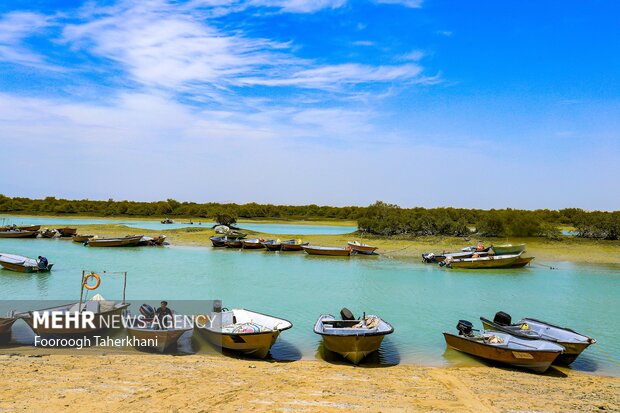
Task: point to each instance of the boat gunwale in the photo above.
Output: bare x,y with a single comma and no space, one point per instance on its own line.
251,332
370,334
505,348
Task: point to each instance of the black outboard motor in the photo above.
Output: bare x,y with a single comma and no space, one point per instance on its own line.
147,311
502,318
217,306
346,314
465,328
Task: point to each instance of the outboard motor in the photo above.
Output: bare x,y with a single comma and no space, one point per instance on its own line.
147,311
217,306
346,314
465,328
502,318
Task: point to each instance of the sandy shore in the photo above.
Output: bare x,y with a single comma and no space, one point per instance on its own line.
215,383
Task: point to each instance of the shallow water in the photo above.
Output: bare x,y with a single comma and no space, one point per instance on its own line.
293,229
420,301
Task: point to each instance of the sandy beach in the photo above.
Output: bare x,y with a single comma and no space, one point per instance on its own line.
161,383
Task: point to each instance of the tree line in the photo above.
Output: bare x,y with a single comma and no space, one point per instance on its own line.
379,218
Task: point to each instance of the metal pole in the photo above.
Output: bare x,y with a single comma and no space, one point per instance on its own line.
81,292
124,286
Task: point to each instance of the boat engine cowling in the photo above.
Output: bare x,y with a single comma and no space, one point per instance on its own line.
147,311
502,318
346,314
465,327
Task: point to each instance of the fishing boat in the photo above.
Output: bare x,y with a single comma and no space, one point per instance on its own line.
218,241
28,227
353,339
127,241
272,245
536,355
20,263
252,244
508,249
81,238
67,231
150,332
235,234
328,251
18,233
48,233
362,248
243,331
105,313
159,239
233,243
488,262
574,343
522,262
465,253
293,245
6,323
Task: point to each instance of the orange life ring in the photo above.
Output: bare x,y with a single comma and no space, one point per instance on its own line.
88,277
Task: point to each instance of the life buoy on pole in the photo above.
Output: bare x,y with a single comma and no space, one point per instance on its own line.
88,277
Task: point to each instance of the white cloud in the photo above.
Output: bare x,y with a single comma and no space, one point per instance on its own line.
407,3
15,28
299,6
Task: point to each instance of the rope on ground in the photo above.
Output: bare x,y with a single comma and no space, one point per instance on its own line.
607,355
400,249
540,264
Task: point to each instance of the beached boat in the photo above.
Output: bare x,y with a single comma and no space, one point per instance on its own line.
67,231
20,263
233,243
252,244
159,239
218,241
29,227
466,253
328,251
272,245
153,333
351,338
522,262
18,233
488,262
293,245
574,343
48,233
508,249
536,355
81,238
6,323
127,241
244,331
362,248
235,234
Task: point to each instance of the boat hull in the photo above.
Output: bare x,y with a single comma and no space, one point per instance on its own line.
353,348
81,238
67,231
252,245
24,268
164,338
253,344
18,234
363,249
6,324
538,361
293,247
491,263
335,252
234,244
273,247
508,249
218,242
522,262
101,321
121,242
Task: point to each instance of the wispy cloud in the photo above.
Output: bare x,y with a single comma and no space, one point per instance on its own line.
15,29
407,3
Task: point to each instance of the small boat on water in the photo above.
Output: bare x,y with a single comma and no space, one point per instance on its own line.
18,233
81,238
536,355
244,331
328,251
20,263
465,253
48,233
574,343
218,241
167,221
351,338
293,245
163,334
127,241
252,244
508,249
67,231
233,243
272,245
362,248
488,262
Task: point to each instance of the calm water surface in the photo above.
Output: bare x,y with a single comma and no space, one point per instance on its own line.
293,229
419,300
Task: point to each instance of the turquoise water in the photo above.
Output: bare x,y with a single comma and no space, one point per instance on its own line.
292,229
419,300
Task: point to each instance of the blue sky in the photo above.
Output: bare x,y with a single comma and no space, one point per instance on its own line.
480,104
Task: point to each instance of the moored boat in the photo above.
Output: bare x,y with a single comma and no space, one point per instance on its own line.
18,233
20,263
351,338
29,227
159,240
48,233
218,241
535,355
362,248
235,234
6,323
81,238
243,331
522,262
293,245
67,231
252,244
167,221
574,343
272,245
488,262
465,253
127,241
150,332
327,251
508,249
233,243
